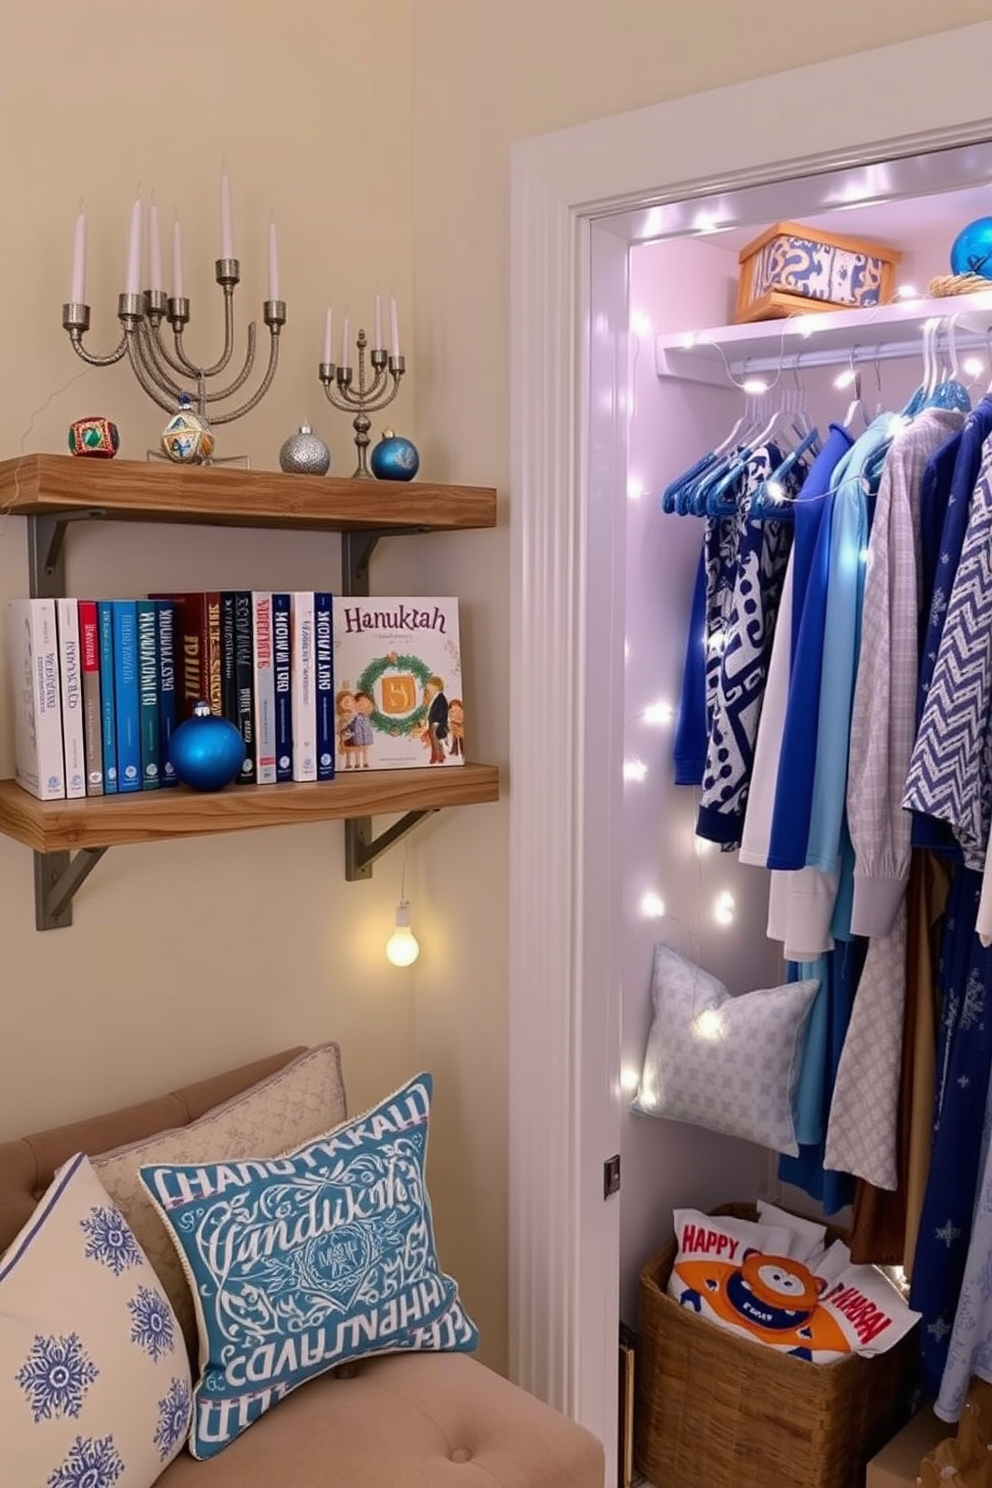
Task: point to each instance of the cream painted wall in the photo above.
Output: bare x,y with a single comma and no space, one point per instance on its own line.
187,957
486,75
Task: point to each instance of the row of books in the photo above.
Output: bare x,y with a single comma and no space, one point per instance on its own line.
99,686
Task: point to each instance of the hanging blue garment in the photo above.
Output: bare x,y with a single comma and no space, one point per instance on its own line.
839,972
963,1057
948,485
811,505
689,751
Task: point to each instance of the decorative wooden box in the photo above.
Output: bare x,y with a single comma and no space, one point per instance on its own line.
794,269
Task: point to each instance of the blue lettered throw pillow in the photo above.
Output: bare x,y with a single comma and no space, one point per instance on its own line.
300,1262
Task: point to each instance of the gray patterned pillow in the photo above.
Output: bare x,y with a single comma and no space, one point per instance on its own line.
727,1063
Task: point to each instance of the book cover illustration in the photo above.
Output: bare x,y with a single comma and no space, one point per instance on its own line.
399,699
33,649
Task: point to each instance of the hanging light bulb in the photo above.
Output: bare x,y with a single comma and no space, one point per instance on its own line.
402,947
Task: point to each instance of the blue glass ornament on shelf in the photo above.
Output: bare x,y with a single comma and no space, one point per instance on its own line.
394,458
207,752
971,251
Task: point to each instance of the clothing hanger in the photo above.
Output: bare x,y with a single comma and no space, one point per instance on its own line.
774,496
677,497
949,391
856,406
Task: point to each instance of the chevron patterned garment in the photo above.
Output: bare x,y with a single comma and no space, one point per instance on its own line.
949,770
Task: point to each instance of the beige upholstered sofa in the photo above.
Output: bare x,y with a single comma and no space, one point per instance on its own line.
395,1421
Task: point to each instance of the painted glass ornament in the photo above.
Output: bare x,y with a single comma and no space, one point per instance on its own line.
207,752
394,458
187,438
96,437
305,453
971,251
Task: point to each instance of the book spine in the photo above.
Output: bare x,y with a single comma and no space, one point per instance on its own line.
70,672
264,681
108,726
303,687
282,655
168,720
215,688
244,671
148,705
191,644
89,645
127,705
324,685
228,676
32,642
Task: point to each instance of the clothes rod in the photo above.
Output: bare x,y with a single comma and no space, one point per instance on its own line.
707,363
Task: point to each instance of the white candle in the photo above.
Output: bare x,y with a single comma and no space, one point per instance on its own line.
154,249
226,233
377,333
273,264
77,294
394,327
328,334
132,282
178,288
346,343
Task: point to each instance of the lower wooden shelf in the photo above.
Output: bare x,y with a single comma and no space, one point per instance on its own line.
154,816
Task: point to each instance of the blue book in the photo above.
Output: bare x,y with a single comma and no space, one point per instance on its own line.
168,710
148,729
127,700
105,621
282,654
324,653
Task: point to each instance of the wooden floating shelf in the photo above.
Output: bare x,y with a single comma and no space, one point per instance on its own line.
155,816
42,485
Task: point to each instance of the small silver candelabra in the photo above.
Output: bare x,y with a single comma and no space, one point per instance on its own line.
345,393
157,368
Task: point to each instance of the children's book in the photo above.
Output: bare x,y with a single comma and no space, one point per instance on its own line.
399,701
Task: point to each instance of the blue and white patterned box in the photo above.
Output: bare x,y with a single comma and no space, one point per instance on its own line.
795,267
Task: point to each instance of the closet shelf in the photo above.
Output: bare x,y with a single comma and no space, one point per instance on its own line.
820,338
154,816
134,491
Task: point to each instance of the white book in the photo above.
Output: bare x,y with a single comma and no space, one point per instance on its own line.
303,686
33,651
265,688
71,673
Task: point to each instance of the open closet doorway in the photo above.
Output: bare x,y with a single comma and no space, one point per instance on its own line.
581,199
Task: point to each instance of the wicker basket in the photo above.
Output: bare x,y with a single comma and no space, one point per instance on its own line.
715,1410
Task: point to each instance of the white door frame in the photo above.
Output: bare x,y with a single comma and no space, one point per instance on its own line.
569,383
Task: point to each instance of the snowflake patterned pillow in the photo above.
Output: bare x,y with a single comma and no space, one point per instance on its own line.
301,1262
730,1064
95,1388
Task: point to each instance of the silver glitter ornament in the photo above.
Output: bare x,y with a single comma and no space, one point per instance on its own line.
305,453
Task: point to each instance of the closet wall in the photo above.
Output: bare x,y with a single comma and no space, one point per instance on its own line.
673,881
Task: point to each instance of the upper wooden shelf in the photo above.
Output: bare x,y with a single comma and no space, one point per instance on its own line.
134,490
154,816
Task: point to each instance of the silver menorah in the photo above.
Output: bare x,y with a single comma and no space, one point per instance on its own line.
348,394
158,369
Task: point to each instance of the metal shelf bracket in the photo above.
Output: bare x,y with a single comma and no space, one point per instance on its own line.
356,554
46,556
57,878
360,847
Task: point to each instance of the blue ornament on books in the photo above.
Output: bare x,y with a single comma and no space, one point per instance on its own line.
971,251
394,458
207,752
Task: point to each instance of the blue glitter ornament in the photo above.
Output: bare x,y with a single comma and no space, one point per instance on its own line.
394,458
971,251
207,752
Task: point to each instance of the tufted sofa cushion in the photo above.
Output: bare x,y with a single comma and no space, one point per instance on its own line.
410,1421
